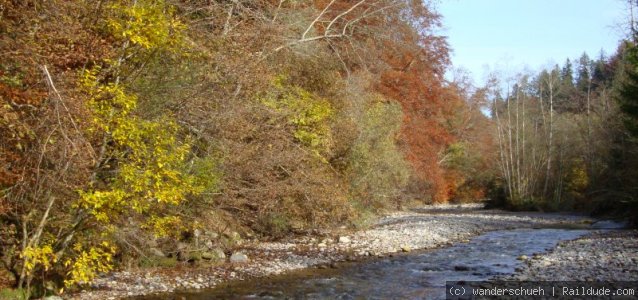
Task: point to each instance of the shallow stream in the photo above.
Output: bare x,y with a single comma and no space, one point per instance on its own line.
417,275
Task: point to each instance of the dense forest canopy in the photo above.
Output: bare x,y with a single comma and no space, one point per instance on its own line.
132,125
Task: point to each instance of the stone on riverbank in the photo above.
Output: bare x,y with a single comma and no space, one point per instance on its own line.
344,240
415,229
215,254
602,256
239,258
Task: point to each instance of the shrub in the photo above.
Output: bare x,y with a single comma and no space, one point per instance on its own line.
378,171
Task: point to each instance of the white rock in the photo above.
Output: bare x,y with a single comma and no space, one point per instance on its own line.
239,257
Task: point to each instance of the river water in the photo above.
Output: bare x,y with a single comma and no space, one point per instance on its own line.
417,275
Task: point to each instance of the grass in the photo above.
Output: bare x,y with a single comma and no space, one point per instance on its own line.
13,294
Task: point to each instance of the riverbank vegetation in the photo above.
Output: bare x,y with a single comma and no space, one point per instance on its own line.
131,128
566,137
136,125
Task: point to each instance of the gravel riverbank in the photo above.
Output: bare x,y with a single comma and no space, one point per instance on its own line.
600,256
426,228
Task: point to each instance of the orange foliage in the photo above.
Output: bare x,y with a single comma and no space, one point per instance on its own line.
436,112
415,83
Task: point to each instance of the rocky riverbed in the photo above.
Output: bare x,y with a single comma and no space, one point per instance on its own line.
426,228
600,256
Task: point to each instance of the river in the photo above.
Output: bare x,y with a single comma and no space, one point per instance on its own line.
416,275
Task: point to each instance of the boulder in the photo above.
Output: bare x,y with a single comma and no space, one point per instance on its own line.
239,257
344,240
215,254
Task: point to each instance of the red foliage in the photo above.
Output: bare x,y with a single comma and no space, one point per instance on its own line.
414,81
435,111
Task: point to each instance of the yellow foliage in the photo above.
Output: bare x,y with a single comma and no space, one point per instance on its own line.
150,24
307,112
577,179
144,168
34,256
86,265
165,226
150,158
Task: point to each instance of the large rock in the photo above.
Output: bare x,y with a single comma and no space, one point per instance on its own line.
344,240
239,257
215,254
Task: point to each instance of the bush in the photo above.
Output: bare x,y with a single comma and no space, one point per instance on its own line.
378,172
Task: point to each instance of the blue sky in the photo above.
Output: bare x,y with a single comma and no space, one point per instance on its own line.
512,35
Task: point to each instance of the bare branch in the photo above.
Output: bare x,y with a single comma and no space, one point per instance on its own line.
303,36
276,14
343,14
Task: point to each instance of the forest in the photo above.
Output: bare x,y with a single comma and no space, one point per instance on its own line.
137,124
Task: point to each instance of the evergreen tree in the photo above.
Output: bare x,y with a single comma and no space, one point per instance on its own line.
628,97
567,74
584,73
564,97
601,74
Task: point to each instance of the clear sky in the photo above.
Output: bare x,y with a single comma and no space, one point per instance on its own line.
511,35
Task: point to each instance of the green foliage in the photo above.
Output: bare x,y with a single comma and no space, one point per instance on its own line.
13,294
156,261
378,169
456,156
276,224
628,94
366,215
207,175
308,113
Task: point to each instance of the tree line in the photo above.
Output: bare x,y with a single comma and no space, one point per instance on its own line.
565,137
133,125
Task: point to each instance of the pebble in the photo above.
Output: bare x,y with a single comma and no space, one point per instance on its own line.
601,256
399,231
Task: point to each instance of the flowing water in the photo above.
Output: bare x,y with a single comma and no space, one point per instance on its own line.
411,276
